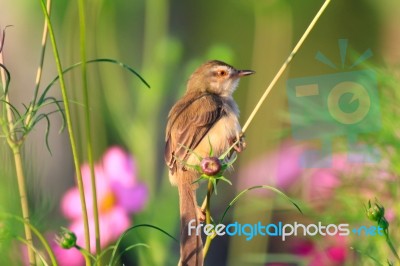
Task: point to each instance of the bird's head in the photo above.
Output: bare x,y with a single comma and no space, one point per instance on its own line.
216,77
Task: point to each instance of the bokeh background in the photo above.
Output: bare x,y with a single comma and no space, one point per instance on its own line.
165,41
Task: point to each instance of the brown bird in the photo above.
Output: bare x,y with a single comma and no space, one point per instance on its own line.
206,116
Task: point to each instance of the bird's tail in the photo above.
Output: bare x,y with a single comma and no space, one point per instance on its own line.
191,244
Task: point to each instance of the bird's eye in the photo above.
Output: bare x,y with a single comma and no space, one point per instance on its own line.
222,73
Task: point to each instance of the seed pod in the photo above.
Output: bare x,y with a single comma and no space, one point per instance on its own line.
211,166
375,213
66,239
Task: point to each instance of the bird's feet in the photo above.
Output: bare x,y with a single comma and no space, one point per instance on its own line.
201,214
240,145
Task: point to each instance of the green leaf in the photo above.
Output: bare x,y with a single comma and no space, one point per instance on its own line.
193,166
113,256
52,100
103,252
211,148
99,60
257,187
191,151
45,116
231,161
367,255
224,179
14,110
202,177
129,248
228,150
8,80
214,181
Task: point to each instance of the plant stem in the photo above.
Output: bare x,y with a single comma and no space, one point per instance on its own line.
70,131
12,140
86,254
82,26
41,61
206,199
24,201
285,64
208,218
39,69
391,246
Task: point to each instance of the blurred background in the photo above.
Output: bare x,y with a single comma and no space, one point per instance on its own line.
165,41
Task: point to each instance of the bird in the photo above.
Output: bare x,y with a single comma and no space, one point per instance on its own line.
205,118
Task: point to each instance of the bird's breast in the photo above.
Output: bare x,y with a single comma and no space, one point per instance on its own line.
219,138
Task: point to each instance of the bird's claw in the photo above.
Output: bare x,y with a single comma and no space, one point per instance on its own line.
201,214
241,144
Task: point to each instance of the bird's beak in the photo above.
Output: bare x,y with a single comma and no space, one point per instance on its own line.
242,73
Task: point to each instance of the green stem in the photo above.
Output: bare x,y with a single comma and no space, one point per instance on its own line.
40,67
82,26
43,52
14,144
206,199
24,201
391,246
85,253
70,131
208,218
104,252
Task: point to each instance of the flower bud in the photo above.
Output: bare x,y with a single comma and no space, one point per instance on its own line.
210,166
66,239
375,213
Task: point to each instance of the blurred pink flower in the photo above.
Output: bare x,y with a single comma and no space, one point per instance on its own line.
119,194
333,251
67,257
282,169
279,168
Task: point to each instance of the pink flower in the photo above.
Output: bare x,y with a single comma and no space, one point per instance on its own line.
282,169
119,195
279,168
67,257
331,251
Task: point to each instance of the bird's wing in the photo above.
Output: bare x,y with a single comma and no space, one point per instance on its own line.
188,123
